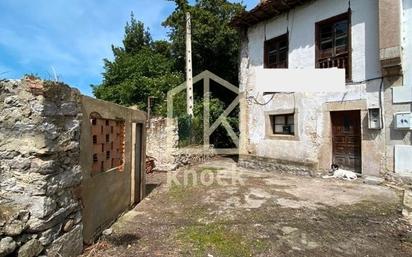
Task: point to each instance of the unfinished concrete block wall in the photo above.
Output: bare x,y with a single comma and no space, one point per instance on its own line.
40,212
112,150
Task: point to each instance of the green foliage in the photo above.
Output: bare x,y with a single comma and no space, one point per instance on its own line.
136,37
191,129
215,43
141,68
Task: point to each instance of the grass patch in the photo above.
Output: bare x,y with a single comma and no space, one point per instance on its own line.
365,210
180,192
215,239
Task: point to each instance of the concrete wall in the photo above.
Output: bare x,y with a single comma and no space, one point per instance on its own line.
311,146
40,210
107,194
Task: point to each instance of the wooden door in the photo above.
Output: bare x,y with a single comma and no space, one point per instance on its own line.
346,140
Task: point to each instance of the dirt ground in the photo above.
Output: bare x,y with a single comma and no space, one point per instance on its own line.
250,213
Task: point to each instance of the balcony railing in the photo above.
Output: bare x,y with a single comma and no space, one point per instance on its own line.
341,62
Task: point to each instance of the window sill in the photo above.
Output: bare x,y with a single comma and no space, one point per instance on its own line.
282,137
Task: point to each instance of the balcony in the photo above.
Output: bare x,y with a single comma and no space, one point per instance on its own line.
340,61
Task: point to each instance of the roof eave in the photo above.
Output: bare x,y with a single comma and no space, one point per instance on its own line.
264,11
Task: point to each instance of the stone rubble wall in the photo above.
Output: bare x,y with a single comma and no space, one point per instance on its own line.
278,166
163,144
39,169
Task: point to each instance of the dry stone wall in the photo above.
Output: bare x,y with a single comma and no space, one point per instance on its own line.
163,144
39,169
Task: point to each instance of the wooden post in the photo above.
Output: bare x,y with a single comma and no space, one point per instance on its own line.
189,74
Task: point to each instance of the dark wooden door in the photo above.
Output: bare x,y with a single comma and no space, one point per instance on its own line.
346,139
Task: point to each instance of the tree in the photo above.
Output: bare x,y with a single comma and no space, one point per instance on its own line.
141,68
136,37
215,43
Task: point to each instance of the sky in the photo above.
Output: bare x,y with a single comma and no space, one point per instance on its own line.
71,38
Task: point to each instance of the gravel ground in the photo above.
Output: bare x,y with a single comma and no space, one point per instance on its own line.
240,212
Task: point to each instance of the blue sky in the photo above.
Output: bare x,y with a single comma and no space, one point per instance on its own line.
71,36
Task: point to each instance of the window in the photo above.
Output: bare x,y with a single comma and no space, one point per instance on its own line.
333,43
283,124
276,52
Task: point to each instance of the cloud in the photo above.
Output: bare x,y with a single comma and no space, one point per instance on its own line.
71,36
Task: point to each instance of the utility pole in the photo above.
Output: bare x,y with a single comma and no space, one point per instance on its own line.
149,110
189,74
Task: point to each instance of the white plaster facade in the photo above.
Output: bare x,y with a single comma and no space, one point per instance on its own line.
407,42
312,141
403,153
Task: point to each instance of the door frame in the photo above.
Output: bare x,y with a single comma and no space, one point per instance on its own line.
325,151
360,168
136,198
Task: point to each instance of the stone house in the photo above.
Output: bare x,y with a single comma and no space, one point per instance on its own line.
365,128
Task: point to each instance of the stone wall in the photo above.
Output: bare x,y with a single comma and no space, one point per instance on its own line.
278,165
39,169
162,144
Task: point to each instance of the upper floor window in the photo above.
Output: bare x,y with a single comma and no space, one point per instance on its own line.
276,52
333,43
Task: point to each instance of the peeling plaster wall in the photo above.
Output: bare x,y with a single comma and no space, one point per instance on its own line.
301,24
312,143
